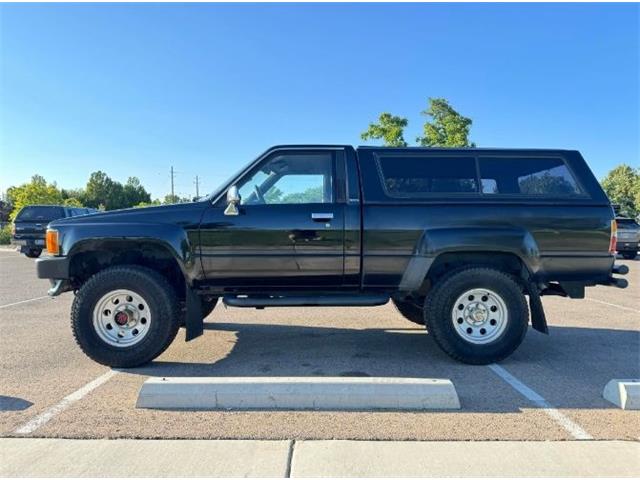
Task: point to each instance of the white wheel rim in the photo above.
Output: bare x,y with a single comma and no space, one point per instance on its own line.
121,318
480,316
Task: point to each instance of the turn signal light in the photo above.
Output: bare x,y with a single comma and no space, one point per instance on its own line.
614,237
53,247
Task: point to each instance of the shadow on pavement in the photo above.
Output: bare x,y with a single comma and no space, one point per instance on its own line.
13,404
569,367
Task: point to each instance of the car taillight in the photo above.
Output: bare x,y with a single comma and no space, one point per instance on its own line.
614,237
53,247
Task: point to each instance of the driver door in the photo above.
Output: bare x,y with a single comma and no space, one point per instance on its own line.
289,231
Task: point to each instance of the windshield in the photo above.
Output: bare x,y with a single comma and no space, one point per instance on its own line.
627,224
40,214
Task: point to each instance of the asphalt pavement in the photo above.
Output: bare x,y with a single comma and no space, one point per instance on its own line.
48,388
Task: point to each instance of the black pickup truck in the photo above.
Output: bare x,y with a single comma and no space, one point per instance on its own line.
456,238
30,225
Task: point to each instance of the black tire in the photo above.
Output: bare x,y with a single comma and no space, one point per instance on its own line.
439,306
33,253
629,255
410,311
162,302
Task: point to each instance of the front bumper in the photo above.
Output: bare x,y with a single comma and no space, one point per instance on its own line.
56,269
53,268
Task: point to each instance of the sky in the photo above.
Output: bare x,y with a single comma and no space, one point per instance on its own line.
133,89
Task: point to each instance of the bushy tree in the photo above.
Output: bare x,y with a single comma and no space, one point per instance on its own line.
446,127
171,199
622,186
36,192
134,193
389,128
102,190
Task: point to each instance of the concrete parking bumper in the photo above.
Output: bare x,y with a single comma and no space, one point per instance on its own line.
298,393
623,393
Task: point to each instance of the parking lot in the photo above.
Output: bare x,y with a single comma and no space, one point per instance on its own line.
550,389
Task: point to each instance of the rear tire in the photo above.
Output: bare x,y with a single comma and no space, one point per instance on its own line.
33,253
629,255
136,295
477,315
410,311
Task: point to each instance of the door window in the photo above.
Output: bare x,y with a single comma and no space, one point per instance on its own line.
290,178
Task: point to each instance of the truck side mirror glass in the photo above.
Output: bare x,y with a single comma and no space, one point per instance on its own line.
233,199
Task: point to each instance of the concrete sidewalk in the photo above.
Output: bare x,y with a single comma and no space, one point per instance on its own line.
329,458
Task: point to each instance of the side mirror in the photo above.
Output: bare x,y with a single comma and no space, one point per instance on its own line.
233,199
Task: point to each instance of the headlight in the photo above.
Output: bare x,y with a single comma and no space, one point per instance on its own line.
53,247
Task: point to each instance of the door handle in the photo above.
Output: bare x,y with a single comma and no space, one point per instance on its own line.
321,217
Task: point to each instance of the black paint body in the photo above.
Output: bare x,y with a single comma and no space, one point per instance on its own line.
374,243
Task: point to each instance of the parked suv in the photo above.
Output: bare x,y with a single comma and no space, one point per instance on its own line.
30,225
464,241
628,237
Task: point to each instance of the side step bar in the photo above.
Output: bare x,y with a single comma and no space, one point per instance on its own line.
364,300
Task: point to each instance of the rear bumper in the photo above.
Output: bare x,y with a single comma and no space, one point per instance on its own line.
26,244
622,246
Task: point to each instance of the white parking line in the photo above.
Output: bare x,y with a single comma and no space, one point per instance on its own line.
565,422
48,414
613,305
23,301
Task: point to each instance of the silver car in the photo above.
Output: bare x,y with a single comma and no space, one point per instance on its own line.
628,237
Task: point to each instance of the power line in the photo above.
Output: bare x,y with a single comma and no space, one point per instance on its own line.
197,187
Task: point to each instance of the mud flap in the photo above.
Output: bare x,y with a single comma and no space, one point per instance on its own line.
194,321
538,318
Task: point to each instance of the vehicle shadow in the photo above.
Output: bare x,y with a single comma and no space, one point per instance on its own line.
569,367
13,404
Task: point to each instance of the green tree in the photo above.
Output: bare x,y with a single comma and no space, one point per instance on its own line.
102,190
446,127
171,199
73,194
152,203
36,192
389,128
72,202
622,186
134,193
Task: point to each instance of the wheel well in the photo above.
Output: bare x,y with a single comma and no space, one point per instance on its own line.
94,258
448,262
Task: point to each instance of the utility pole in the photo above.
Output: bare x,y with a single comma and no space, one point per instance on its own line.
172,193
197,187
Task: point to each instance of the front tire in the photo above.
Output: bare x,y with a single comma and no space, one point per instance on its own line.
477,315
410,311
33,253
629,255
125,316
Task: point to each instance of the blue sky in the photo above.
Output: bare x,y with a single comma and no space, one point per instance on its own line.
134,89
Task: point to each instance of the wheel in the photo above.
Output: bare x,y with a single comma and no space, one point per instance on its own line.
125,316
629,255
33,253
410,311
477,315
